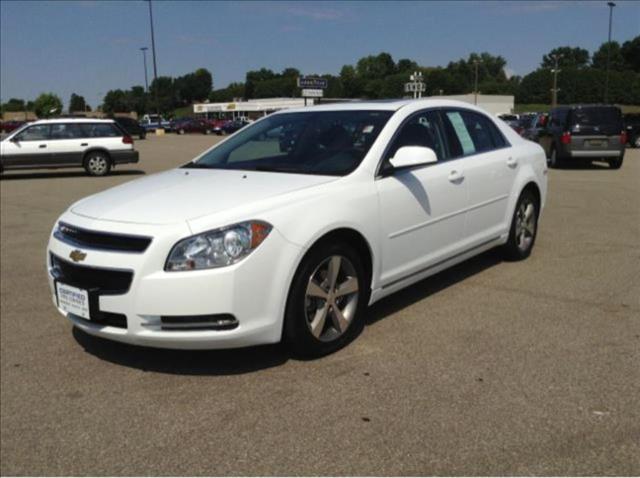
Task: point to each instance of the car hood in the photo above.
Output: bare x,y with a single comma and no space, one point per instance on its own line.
186,194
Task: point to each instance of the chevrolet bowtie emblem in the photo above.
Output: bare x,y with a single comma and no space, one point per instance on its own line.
77,255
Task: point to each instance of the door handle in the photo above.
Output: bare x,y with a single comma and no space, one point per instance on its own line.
42,146
512,162
84,144
455,176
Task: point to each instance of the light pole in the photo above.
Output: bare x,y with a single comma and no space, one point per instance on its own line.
475,83
606,81
144,59
555,71
155,67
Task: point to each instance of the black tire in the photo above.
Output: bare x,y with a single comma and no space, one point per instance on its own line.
516,248
554,160
97,163
143,135
616,163
297,333
635,141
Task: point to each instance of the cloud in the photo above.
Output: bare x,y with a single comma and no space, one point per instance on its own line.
316,13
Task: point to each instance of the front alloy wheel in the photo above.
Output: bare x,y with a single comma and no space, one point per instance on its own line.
97,164
332,298
326,302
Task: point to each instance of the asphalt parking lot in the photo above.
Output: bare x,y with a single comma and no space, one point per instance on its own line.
490,368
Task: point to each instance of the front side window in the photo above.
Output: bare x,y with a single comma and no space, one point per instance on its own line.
423,129
38,132
323,142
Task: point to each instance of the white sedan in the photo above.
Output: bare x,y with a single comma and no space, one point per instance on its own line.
290,228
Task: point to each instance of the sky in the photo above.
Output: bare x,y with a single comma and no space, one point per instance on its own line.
89,47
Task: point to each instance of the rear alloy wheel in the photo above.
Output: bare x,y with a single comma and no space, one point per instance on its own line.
181,131
97,164
636,141
326,302
207,131
524,227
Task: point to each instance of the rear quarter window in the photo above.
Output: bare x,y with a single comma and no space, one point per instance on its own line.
102,130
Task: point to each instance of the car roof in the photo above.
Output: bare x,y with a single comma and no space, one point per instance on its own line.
72,120
381,105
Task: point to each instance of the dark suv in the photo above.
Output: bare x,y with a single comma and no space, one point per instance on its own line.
131,126
632,126
584,132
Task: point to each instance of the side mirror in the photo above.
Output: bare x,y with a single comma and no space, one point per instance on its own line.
409,156
14,139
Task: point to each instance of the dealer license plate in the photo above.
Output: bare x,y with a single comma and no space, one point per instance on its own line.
73,300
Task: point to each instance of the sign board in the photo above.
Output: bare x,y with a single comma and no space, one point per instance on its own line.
312,83
308,93
414,86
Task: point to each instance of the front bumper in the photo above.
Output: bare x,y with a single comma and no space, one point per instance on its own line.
253,291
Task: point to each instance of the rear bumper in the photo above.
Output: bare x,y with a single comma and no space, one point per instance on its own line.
123,157
609,153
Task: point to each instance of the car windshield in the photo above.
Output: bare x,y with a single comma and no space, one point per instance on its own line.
324,142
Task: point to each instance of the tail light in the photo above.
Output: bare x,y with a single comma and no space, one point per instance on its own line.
565,138
623,138
127,139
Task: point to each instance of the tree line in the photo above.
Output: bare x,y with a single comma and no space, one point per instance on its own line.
581,80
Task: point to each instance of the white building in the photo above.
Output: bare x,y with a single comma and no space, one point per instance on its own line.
495,104
249,109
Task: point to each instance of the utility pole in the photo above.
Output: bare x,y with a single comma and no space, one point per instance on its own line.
606,81
555,71
155,67
475,83
144,59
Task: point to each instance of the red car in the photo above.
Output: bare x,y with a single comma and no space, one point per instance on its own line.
8,126
193,126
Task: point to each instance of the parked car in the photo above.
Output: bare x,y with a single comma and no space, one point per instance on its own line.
95,145
193,126
131,126
11,125
153,122
632,128
248,244
533,125
232,126
584,133
217,125
511,119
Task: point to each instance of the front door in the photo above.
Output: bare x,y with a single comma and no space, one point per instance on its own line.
28,148
421,209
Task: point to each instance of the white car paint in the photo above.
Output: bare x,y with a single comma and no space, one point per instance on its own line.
416,223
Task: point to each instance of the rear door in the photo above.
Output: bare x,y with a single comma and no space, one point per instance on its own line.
106,136
28,148
490,170
67,144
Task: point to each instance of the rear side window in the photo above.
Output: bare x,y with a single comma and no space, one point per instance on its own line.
469,133
102,130
67,131
596,116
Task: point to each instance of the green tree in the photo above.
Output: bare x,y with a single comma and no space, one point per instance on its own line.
47,104
77,103
234,90
14,104
631,53
375,67
617,61
352,85
572,57
164,90
115,101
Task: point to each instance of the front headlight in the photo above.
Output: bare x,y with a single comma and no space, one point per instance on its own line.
217,248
